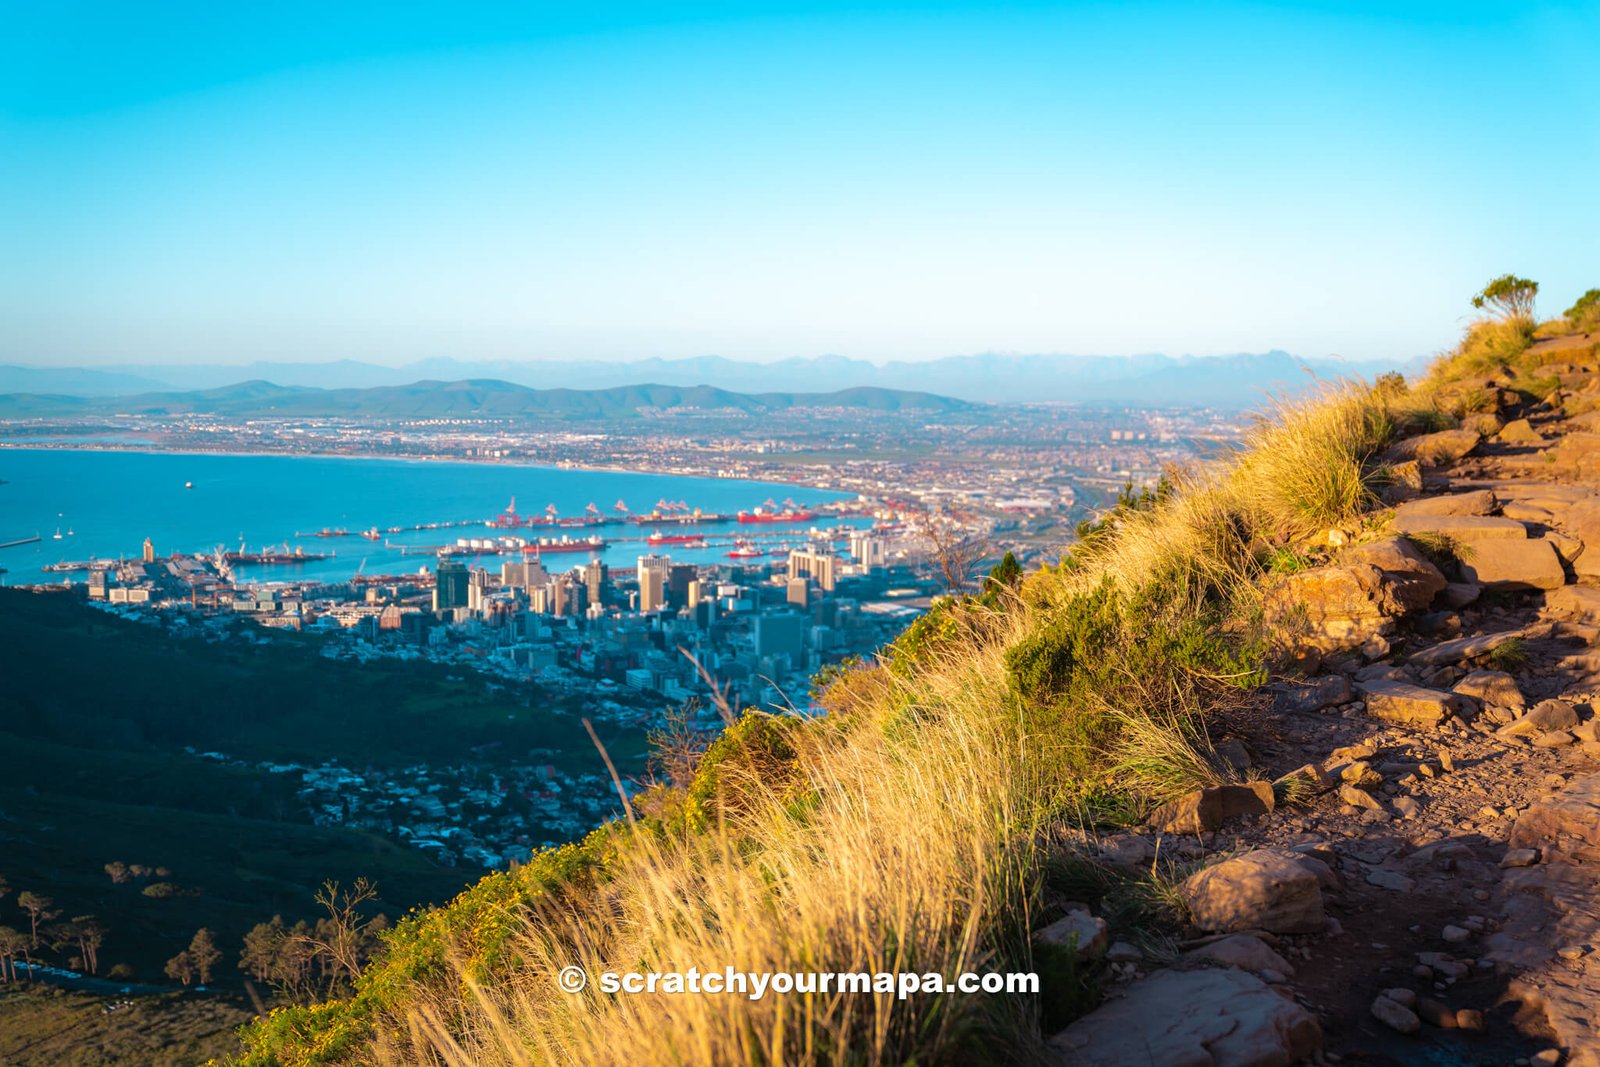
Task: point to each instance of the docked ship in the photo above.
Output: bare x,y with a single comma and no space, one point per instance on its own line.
770,512
674,513
659,538
745,550
566,544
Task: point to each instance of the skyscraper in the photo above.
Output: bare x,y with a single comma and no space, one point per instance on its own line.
450,585
654,572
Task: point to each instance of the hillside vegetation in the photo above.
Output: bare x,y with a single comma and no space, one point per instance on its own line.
922,824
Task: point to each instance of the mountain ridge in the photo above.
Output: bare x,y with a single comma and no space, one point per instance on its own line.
483,397
1236,379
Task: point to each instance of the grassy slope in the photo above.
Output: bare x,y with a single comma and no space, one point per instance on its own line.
903,832
44,1027
96,708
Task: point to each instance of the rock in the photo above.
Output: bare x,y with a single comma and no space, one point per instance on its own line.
1469,528
1434,449
1454,935
1564,827
1205,810
1574,601
1361,775
1392,880
1126,850
1203,1018
1460,594
1519,432
1465,647
1395,1016
1077,931
1520,857
1413,579
1553,739
1123,952
1476,502
1469,1019
1262,890
1307,781
1403,997
1491,687
1312,695
1435,1013
1329,609
1547,715
1243,951
1358,798
1402,702
1405,807
1362,750
1513,565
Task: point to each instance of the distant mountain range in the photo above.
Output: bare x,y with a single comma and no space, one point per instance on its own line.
475,397
1237,381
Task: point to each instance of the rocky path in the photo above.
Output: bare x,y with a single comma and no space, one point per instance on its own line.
1422,884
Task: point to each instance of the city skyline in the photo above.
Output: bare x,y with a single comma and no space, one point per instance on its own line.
881,182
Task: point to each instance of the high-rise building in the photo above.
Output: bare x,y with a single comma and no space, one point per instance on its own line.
149,550
595,576
478,588
450,585
869,550
799,591
780,633
819,565
654,573
679,579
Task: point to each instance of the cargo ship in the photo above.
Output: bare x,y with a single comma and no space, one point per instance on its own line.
675,539
587,544
745,550
770,512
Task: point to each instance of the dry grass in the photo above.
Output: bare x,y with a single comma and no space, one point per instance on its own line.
903,857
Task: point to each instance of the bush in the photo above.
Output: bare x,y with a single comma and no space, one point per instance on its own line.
1584,314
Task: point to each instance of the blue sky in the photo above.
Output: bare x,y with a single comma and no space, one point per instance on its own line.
225,183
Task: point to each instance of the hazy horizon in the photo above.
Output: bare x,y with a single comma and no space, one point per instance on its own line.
891,181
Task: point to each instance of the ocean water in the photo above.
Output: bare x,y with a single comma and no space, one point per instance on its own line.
104,504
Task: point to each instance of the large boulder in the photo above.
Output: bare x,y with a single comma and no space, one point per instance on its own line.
1261,890
1202,1018
1513,565
1313,694
1546,716
1345,605
1412,578
1078,931
1401,702
1244,951
1574,602
1205,810
1472,528
1497,689
1476,502
1434,449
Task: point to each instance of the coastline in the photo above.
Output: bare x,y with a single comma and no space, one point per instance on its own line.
469,460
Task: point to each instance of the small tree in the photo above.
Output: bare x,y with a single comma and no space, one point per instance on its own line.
263,946
1508,296
39,909
1584,314
953,548
204,954
13,943
181,967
